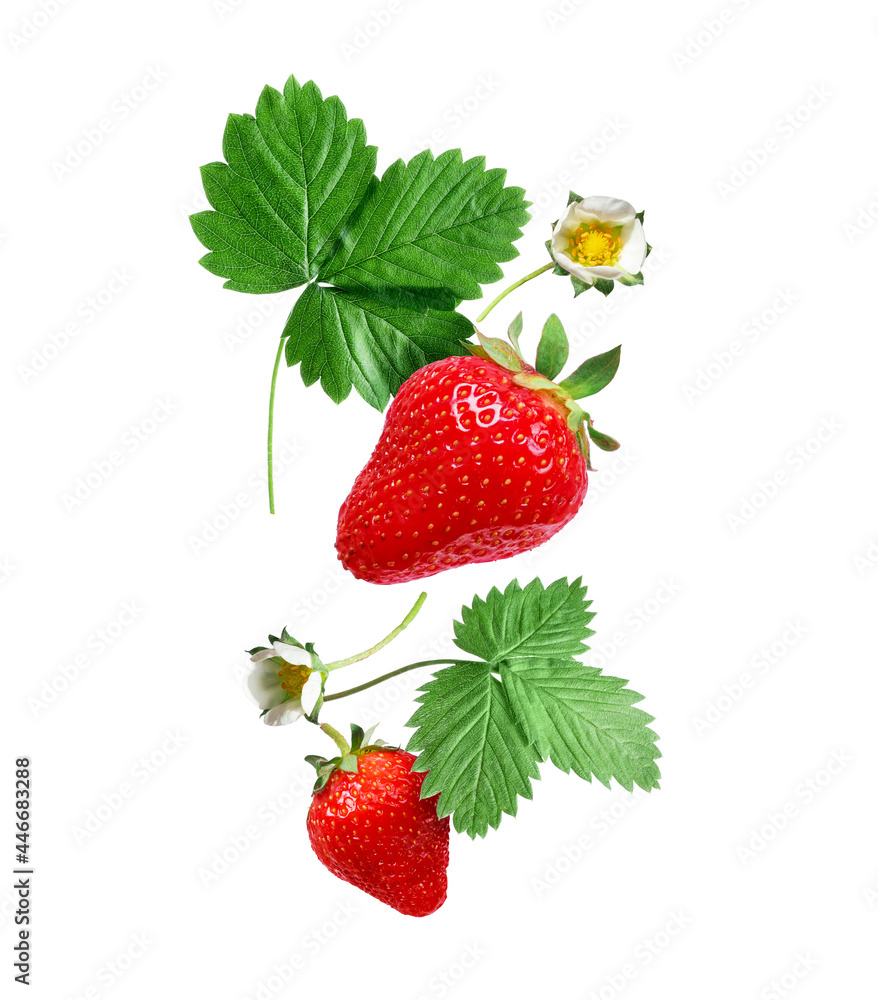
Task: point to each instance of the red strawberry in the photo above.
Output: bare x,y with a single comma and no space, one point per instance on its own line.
372,829
476,462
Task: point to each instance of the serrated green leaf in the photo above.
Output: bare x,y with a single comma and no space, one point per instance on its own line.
477,757
604,285
346,339
583,721
435,227
579,286
553,349
293,175
533,621
592,375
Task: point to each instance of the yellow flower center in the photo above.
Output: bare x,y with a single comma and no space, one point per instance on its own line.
594,245
292,678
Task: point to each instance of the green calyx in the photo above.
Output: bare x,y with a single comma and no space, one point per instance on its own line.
361,743
552,353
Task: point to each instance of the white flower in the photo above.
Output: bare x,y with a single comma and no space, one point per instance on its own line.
283,683
599,238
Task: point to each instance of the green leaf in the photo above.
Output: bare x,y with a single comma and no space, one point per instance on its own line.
583,721
478,759
515,332
553,349
533,621
574,197
346,339
436,228
293,176
592,375
579,286
557,269
604,285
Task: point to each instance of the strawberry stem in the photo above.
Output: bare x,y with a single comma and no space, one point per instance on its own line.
280,348
409,618
511,288
337,738
386,677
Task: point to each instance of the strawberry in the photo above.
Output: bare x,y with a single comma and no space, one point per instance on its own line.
370,827
481,458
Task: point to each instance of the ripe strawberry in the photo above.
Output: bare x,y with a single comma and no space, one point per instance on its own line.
372,828
481,458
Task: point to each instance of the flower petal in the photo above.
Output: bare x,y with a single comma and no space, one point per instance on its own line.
292,654
283,715
263,654
311,692
633,250
583,273
605,271
607,209
263,685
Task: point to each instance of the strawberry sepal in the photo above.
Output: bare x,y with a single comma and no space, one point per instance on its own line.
361,743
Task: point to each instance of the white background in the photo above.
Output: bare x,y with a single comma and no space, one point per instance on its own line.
707,541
